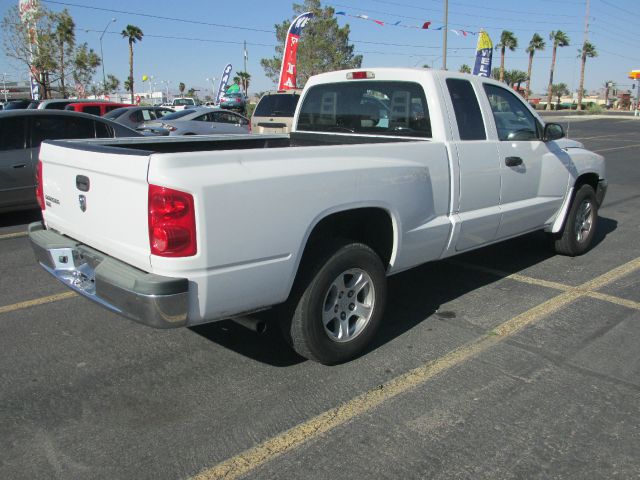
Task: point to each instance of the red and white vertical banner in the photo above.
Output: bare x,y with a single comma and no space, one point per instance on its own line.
28,9
288,70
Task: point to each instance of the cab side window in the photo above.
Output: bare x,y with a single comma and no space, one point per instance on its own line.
12,134
514,121
60,128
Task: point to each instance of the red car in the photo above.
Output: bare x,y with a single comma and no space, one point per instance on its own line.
95,108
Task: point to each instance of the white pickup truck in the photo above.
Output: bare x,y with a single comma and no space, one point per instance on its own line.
385,169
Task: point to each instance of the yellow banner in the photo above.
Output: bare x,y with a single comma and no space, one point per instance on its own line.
484,41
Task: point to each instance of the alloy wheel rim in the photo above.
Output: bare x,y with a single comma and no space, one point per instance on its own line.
348,305
584,221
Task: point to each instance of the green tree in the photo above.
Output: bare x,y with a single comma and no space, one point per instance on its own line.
464,68
128,86
112,84
558,90
323,46
85,63
536,43
507,40
588,50
133,34
514,78
181,87
17,37
559,39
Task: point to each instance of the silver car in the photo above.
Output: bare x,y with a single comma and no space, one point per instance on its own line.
201,121
134,117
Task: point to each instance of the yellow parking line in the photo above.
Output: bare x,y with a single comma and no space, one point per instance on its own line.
617,300
13,235
37,301
268,450
512,276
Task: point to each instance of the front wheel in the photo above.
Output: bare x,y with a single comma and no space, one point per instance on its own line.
339,304
580,225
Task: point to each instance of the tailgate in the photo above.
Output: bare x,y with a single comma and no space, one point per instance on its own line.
98,197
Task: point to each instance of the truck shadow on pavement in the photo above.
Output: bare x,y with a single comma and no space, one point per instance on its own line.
19,218
413,296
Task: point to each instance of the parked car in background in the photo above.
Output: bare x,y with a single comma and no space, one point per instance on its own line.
134,117
201,121
57,103
95,108
22,132
234,101
20,104
182,103
274,112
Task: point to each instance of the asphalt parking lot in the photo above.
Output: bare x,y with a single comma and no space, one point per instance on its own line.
507,362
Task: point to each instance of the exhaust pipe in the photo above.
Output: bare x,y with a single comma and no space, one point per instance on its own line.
253,324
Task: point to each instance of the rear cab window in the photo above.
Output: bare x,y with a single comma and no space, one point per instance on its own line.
388,108
278,105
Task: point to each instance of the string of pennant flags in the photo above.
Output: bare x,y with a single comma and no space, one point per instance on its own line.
425,26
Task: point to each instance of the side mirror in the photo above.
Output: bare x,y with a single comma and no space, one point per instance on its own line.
553,131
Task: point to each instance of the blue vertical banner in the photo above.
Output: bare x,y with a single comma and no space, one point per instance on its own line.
484,52
223,82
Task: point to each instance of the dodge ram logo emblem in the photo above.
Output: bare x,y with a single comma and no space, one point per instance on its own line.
83,202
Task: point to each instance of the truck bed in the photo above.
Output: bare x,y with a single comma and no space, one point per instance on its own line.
201,143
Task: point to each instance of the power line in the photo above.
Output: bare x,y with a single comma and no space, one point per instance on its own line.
620,8
159,17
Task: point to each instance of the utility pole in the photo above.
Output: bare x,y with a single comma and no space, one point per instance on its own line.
244,54
444,34
104,81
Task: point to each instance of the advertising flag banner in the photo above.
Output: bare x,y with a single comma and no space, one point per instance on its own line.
484,51
288,70
223,82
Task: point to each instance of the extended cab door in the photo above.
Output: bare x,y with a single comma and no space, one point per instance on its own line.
477,209
533,178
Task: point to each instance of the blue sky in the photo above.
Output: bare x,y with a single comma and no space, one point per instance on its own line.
206,47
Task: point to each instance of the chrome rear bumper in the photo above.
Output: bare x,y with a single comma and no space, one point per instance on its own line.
154,300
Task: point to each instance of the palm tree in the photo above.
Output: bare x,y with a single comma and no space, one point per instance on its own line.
244,78
507,40
65,39
181,87
464,68
559,39
133,34
127,85
558,90
515,78
587,50
536,43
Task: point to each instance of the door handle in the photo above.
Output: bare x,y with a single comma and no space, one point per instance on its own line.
513,161
19,165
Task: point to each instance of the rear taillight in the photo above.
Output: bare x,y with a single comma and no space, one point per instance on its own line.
172,223
39,187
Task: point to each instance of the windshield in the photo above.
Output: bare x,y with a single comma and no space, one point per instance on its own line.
184,101
283,105
181,113
371,107
115,113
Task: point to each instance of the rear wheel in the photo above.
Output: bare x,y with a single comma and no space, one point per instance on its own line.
580,225
337,304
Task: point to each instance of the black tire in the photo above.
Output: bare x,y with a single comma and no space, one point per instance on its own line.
316,296
580,225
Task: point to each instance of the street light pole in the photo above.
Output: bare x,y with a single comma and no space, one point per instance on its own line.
104,80
4,86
